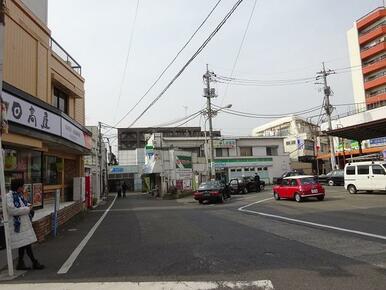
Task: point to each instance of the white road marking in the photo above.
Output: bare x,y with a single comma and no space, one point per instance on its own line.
67,265
242,209
180,285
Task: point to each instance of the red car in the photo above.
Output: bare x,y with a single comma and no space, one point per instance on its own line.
298,188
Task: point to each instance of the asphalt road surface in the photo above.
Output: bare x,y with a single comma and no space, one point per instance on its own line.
339,243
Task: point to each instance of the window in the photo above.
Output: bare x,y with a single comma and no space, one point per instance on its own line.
378,170
238,170
287,142
218,152
245,151
233,170
363,169
294,182
234,182
271,151
293,142
265,168
53,170
285,182
252,169
60,100
246,169
350,170
225,152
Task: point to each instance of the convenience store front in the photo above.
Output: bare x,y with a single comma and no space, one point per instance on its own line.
43,146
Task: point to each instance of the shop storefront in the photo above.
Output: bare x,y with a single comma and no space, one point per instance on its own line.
44,147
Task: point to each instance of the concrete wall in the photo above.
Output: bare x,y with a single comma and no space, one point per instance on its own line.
39,8
355,61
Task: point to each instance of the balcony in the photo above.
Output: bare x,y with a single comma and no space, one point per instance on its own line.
373,50
374,65
376,81
373,33
371,17
65,56
376,99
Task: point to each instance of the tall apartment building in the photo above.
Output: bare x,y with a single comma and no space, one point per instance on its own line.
43,89
367,48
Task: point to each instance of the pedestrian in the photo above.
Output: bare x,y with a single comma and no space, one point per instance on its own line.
20,214
124,189
119,190
257,182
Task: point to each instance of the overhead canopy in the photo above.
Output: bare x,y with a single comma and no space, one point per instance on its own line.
362,131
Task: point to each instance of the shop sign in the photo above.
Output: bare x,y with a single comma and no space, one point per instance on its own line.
184,174
184,161
224,143
378,142
37,193
240,162
348,145
72,133
30,115
33,116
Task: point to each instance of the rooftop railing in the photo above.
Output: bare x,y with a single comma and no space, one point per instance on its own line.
65,56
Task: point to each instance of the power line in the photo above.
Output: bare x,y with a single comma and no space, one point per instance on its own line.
169,65
128,55
239,50
305,111
190,60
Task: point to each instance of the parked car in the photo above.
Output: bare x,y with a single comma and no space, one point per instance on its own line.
298,188
365,175
335,177
277,180
213,191
244,185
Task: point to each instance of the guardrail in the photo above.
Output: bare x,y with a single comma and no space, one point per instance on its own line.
65,56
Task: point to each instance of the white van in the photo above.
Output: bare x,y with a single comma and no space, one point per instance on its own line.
365,175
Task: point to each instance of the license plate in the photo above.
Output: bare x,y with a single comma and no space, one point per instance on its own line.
206,194
314,191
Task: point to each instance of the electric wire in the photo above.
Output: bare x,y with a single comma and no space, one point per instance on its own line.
214,32
239,50
170,64
127,55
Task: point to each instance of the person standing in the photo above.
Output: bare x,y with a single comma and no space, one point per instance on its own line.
124,188
257,181
20,216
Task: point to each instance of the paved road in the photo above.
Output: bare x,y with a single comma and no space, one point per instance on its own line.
149,240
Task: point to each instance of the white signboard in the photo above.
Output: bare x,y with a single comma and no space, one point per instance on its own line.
72,133
30,115
184,174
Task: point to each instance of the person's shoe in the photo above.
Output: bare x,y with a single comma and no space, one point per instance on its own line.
37,266
22,266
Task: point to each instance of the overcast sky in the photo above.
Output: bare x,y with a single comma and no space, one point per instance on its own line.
286,40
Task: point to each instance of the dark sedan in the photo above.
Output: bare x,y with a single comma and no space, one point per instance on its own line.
335,177
213,191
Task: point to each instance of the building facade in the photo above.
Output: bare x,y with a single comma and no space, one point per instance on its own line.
367,49
96,164
182,161
300,140
43,90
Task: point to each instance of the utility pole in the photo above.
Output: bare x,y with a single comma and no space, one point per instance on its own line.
100,156
328,109
210,93
2,118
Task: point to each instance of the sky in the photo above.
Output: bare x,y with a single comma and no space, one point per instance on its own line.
285,40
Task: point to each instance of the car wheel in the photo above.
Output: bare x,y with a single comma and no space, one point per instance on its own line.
262,187
320,197
221,198
201,201
298,198
331,182
276,196
352,189
245,190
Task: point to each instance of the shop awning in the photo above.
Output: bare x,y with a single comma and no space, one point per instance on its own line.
364,131
353,152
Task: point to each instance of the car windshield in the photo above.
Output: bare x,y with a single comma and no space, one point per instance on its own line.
209,185
308,180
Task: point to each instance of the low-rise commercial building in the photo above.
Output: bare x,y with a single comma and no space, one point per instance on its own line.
43,90
182,161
